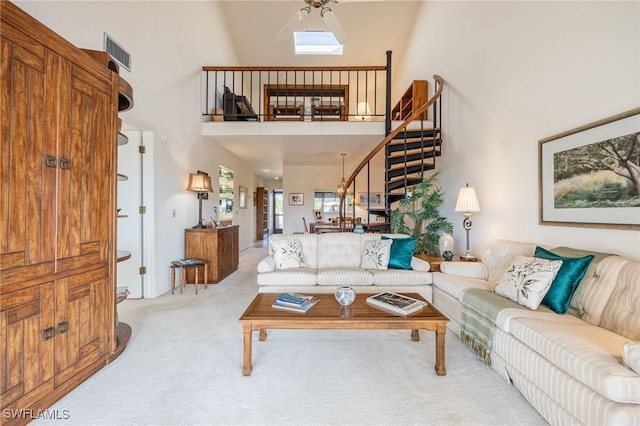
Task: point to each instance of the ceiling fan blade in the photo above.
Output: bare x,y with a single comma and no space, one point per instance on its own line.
293,23
335,26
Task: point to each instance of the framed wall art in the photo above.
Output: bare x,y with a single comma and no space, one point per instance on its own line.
590,176
372,199
243,197
296,199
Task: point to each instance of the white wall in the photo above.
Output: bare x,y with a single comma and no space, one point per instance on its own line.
518,72
169,43
306,179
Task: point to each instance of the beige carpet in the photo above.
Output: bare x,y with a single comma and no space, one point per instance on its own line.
183,366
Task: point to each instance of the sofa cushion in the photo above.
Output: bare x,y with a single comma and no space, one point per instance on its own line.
375,254
288,254
401,277
591,355
527,280
631,356
566,281
621,314
401,252
294,276
498,255
600,287
456,285
576,306
336,249
309,243
344,275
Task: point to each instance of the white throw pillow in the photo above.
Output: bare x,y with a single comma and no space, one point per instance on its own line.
527,280
288,254
375,254
631,356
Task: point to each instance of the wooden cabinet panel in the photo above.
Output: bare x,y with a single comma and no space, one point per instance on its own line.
57,213
218,246
27,361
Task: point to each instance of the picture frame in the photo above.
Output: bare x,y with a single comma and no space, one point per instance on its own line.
296,199
372,198
243,197
318,216
582,181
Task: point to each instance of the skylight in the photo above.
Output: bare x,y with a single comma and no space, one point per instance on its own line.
316,43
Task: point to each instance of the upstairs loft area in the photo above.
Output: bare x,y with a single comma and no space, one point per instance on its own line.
305,94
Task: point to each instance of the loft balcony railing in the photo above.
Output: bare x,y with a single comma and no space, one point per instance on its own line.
348,93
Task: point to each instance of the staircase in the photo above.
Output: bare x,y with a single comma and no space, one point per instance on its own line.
410,150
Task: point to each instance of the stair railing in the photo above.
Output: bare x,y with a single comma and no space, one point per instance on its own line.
417,113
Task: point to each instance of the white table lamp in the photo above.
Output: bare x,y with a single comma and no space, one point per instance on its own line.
467,203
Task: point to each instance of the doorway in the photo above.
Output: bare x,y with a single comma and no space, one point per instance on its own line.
278,211
135,225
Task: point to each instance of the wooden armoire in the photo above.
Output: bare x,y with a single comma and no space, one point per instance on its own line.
58,134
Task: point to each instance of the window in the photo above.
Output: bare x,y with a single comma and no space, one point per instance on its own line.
329,202
316,43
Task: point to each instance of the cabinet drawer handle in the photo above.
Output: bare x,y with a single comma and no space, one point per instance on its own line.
48,333
65,163
63,327
50,161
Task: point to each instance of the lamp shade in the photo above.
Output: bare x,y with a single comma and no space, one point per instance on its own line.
363,111
199,182
467,200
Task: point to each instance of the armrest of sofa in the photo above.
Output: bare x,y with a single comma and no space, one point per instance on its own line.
266,265
466,269
418,264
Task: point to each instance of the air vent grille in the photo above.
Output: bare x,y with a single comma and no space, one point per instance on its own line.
117,52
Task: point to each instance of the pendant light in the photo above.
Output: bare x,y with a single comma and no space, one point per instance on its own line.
341,186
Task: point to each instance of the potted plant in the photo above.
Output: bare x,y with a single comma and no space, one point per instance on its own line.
421,207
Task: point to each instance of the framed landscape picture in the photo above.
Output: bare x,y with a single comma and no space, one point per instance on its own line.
296,199
590,176
372,199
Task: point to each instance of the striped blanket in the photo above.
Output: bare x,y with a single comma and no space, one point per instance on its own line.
479,312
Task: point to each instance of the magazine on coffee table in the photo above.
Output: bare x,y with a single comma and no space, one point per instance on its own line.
397,303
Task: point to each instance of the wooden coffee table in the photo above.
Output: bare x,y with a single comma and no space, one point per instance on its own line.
328,314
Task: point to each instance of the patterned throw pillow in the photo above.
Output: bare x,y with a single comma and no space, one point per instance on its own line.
631,355
527,280
288,254
375,254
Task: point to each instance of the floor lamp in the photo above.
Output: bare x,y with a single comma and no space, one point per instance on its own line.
467,203
200,183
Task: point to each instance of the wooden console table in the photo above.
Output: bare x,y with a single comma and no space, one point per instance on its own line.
327,101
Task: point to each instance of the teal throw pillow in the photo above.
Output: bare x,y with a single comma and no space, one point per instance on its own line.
566,281
401,252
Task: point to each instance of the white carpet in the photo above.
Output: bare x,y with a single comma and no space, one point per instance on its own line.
183,365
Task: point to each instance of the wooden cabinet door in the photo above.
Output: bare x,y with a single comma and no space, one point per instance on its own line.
27,342
81,318
27,204
85,145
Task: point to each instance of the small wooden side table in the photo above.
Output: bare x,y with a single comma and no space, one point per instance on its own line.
182,267
434,261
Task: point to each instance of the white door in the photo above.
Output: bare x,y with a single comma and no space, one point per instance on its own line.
130,221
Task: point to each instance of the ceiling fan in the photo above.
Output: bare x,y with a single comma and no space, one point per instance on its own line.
325,12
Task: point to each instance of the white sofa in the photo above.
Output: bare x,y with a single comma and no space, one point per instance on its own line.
568,366
334,259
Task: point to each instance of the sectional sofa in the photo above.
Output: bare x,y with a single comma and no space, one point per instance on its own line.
329,260
581,366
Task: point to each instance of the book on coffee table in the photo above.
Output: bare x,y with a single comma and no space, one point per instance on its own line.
396,303
293,299
304,307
